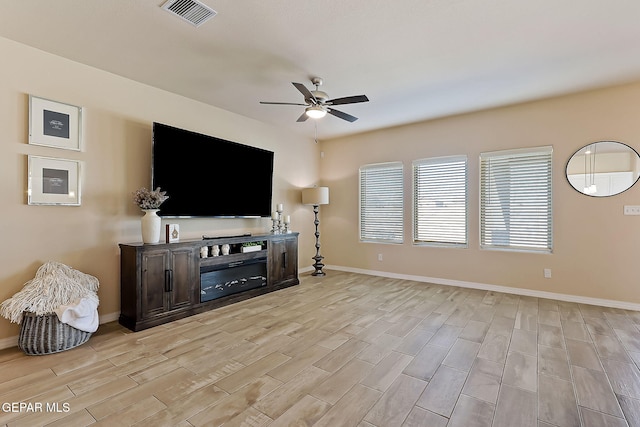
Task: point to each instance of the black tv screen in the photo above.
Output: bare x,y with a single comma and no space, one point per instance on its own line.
205,176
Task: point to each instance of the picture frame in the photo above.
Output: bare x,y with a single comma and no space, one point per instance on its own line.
54,124
53,181
172,233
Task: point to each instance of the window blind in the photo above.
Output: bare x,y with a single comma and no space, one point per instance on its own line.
440,201
515,199
381,202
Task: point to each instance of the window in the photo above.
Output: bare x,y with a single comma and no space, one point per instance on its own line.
440,201
515,199
381,202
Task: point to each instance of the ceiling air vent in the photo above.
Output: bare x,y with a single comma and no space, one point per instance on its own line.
191,11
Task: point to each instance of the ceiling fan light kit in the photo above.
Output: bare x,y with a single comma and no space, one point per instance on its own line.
318,104
316,112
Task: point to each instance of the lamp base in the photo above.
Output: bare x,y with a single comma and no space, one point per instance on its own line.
318,258
318,265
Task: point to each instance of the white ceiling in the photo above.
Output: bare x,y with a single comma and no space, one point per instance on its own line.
414,59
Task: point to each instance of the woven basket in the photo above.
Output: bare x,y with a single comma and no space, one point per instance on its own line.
46,334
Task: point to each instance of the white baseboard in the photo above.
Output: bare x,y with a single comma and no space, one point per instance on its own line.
495,288
106,318
13,341
8,342
111,317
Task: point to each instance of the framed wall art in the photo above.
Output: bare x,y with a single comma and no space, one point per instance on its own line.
53,181
54,124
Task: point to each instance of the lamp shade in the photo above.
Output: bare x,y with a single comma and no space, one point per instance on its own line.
315,196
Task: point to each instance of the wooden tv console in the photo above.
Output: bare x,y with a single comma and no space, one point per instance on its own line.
161,282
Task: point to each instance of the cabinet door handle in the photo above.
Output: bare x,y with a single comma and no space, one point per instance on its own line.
284,259
168,280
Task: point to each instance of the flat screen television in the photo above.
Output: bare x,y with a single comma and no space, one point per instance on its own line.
205,176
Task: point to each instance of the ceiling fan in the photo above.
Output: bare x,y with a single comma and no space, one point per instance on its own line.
317,103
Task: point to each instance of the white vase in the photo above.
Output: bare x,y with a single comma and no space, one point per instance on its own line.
151,224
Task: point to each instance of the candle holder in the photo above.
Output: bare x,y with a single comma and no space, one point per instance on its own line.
275,229
278,224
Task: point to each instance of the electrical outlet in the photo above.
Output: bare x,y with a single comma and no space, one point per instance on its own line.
632,210
379,257
547,273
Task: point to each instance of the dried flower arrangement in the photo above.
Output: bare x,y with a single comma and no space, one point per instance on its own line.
147,199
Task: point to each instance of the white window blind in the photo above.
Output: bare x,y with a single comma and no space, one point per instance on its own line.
381,202
515,199
440,201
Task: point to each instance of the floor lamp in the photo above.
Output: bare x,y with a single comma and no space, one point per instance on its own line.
316,196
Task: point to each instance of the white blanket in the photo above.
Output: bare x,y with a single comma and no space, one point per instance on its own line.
82,314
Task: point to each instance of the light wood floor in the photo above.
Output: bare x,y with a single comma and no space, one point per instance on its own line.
346,350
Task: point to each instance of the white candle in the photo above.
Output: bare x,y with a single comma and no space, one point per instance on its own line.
280,207
287,219
274,215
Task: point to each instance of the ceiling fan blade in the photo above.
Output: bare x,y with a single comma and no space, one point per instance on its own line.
341,115
303,117
348,100
281,103
303,90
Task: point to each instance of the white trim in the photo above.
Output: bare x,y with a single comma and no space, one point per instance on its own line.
518,151
495,288
13,341
111,317
306,269
8,342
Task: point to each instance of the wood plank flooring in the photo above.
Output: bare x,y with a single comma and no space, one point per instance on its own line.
345,350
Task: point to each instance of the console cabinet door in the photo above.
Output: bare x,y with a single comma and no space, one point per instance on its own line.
184,277
283,260
290,265
168,280
153,282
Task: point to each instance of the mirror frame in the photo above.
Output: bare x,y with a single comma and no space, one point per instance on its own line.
628,147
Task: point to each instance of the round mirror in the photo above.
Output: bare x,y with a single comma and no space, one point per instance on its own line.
603,168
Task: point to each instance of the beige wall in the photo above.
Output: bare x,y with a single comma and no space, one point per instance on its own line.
118,114
596,248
